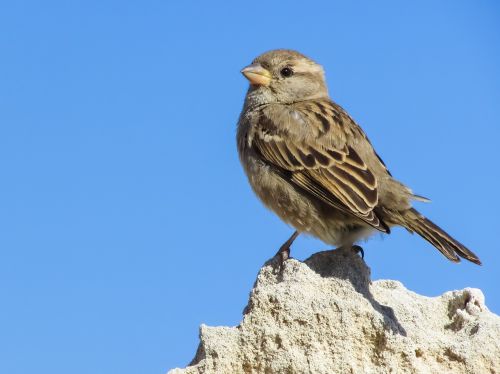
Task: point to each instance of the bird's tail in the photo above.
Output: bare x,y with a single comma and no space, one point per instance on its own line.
416,222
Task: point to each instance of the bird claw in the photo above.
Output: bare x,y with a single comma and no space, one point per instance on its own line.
358,250
282,255
284,252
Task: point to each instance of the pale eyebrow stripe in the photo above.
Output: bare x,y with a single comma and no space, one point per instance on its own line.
307,68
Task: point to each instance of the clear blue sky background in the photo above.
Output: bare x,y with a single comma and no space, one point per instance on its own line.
125,218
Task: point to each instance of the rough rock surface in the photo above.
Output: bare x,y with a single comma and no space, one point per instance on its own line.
324,315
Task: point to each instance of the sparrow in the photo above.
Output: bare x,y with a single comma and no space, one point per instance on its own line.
312,164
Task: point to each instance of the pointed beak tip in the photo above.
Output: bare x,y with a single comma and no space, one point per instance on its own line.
257,75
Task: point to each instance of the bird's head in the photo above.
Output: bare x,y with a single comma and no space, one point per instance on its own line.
284,76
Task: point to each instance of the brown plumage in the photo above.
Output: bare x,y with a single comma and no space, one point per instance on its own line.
309,161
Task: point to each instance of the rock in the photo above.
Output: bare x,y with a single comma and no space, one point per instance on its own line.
324,315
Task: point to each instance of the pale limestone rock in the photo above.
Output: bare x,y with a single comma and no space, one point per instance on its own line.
325,316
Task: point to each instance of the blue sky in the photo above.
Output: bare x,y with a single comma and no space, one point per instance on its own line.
125,218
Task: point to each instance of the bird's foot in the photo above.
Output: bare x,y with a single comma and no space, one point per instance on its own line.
283,253
356,248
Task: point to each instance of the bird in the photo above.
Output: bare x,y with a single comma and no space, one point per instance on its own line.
309,162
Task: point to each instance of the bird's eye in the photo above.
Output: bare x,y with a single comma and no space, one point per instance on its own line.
286,72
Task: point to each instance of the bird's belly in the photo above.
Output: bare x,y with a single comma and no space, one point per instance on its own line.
303,212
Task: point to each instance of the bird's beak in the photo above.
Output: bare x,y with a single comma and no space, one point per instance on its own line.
257,75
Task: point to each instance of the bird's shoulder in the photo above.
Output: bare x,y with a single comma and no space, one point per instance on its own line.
320,119
319,122
314,128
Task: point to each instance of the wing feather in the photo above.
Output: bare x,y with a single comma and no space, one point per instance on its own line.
335,175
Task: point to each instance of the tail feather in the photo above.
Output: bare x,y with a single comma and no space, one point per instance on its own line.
449,247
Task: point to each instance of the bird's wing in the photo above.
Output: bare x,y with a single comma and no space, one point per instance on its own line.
331,171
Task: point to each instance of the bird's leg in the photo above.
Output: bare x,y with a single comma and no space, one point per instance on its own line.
353,247
284,251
